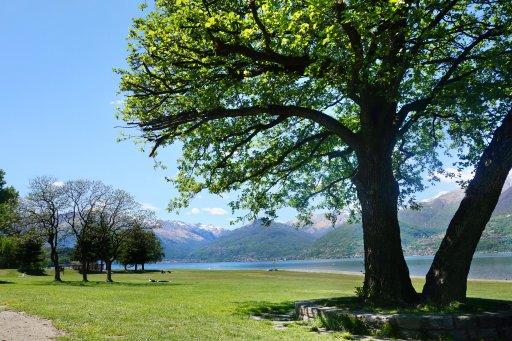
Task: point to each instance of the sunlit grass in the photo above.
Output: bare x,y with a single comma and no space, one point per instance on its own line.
198,305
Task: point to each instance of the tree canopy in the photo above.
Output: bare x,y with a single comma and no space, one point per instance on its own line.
320,104
100,217
141,246
276,93
43,211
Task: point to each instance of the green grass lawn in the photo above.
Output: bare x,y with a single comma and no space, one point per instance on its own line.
195,305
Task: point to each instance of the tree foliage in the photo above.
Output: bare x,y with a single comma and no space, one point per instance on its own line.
24,252
140,247
8,205
7,257
272,98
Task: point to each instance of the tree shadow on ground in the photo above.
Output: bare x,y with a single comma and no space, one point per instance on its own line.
33,272
139,271
105,284
352,302
259,308
6,282
470,305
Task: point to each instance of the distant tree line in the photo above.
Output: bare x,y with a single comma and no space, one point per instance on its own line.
107,225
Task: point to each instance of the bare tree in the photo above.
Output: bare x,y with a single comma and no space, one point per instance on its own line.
43,209
85,198
118,213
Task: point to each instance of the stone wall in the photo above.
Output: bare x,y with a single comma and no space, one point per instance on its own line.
481,326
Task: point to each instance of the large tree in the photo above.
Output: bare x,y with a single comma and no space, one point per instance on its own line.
317,104
43,210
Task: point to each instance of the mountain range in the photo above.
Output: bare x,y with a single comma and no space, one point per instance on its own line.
179,239
421,232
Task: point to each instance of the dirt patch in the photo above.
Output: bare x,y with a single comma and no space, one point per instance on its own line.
16,326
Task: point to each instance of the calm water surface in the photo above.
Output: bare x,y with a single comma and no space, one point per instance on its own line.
484,266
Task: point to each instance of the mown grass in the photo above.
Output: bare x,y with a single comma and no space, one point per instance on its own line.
194,305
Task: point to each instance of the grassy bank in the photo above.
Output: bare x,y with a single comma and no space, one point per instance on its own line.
202,305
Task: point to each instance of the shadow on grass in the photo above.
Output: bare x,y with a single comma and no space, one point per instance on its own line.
33,272
351,302
6,282
471,305
106,284
138,271
259,308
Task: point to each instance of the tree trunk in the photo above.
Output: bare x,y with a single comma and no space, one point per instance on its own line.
386,272
446,280
142,265
108,265
135,266
54,256
84,270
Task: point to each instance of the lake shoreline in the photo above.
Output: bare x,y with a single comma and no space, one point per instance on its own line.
353,273
494,266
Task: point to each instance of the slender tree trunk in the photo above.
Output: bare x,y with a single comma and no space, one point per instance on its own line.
54,257
126,267
386,272
446,280
142,265
135,266
84,270
108,265
55,260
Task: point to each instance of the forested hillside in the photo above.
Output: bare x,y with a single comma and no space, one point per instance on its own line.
256,242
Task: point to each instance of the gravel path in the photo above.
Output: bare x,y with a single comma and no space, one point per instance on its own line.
18,326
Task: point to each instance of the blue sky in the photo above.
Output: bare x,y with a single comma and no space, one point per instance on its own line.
58,99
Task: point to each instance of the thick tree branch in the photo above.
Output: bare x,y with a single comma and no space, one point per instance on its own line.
172,123
357,48
297,64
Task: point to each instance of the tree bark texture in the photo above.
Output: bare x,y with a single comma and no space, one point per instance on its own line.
85,265
446,281
108,265
386,272
54,256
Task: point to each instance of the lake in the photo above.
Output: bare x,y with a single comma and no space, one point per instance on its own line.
484,266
